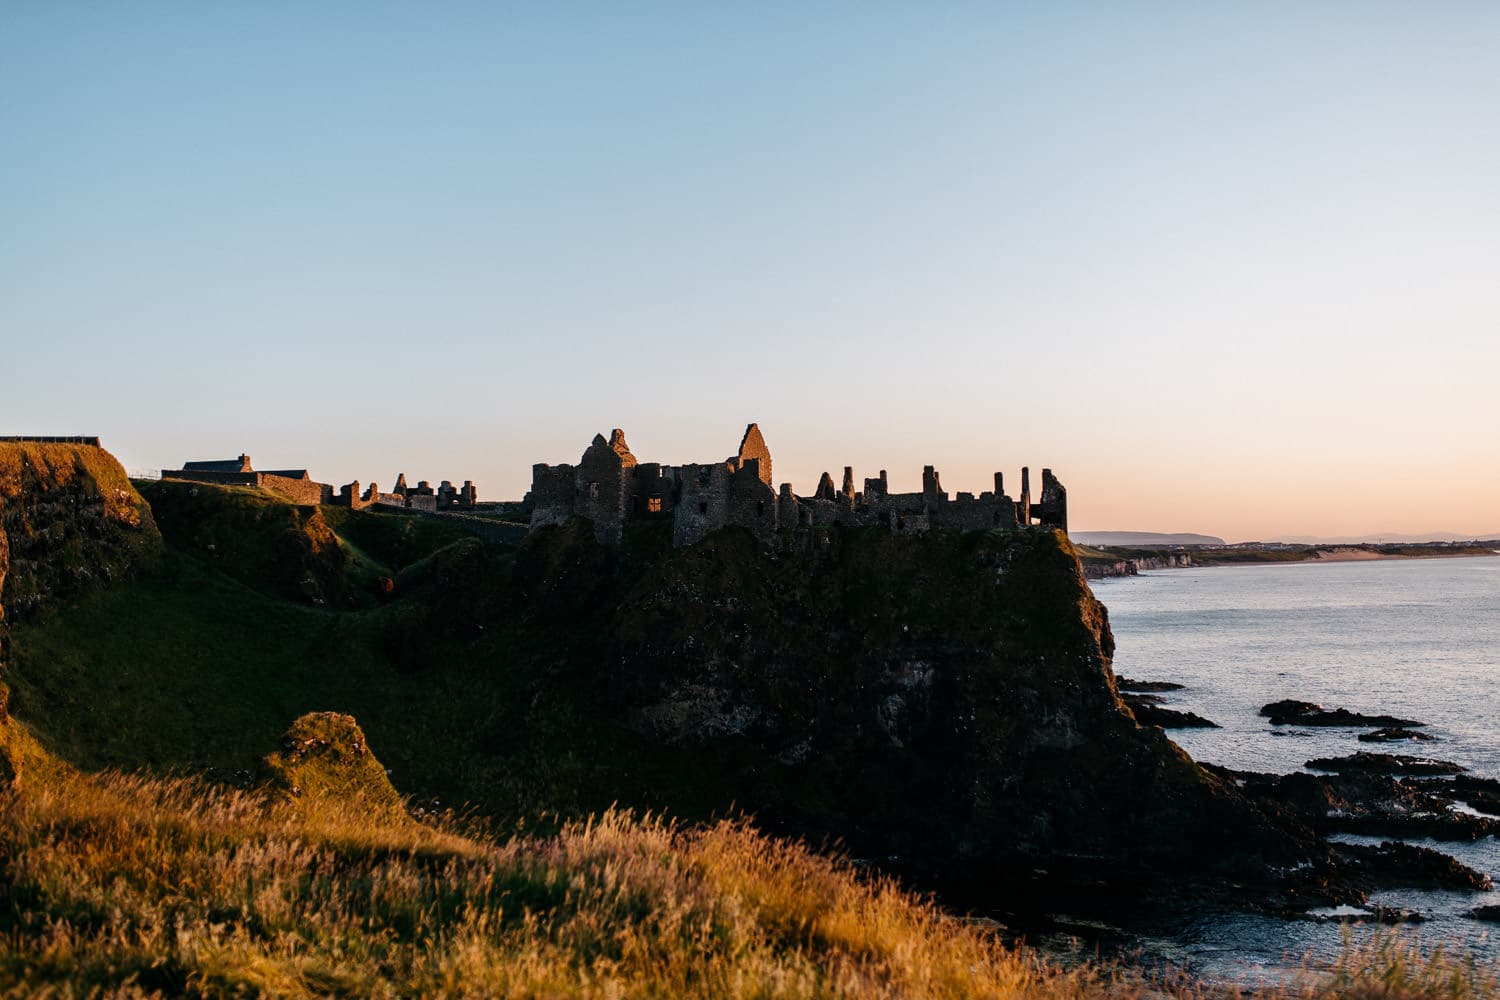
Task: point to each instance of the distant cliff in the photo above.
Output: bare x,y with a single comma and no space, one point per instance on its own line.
1143,539
1099,564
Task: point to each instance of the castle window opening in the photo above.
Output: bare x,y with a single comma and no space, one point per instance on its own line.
593,491
760,507
653,505
703,507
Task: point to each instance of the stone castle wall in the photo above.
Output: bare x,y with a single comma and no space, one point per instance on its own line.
300,489
610,488
303,492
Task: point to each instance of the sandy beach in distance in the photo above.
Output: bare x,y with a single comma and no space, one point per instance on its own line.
1344,553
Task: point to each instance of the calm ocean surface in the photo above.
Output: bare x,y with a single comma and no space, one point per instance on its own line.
1416,638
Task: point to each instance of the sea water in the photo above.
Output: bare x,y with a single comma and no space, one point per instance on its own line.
1414,638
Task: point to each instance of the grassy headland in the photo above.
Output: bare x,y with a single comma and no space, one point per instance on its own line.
541,685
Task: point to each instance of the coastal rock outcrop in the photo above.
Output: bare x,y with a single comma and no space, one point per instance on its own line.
1149,711
1374,801
1306,713
1396,734
1384,763
945,699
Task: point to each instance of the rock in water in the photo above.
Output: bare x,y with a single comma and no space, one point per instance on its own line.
1385,763
1149,712
1395,734
1393,863
1306,713
1126,684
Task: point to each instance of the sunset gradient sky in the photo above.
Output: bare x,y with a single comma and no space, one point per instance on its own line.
1224,268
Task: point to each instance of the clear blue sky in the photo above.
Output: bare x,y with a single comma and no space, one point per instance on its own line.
1228,268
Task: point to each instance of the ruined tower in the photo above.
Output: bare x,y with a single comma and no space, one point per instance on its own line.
609,488
753,446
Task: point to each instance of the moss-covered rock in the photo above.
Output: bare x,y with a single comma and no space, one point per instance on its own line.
324,759
21,754
69,520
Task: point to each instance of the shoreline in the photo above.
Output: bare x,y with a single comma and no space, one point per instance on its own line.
1105,564
1349,553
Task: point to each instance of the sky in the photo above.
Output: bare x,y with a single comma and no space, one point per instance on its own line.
1232,269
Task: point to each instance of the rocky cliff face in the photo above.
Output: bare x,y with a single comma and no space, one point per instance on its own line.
947,699
69,520
1103,569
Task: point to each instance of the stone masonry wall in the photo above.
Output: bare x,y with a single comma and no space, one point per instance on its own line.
703,504
609,487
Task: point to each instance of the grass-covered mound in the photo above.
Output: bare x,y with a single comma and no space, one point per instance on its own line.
70,520
324,758
257,538
330,557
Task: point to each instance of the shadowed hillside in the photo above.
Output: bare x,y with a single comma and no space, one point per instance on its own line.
941,700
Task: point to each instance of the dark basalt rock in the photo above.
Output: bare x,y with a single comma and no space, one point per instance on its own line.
1436,826
1126,684
1487,913
1396,915
1484,803
1409,866
1148,711
1370,802
945,699
1306,713
1464,784
1394,734
1385,763
1372,914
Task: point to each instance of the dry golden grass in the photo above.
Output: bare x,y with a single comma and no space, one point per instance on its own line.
126,886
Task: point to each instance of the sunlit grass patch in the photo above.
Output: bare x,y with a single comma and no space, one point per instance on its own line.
173,887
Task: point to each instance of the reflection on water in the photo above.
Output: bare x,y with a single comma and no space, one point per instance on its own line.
1414,638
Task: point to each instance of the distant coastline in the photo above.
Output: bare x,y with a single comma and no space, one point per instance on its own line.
1104,562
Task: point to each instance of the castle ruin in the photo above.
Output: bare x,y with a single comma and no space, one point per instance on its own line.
610,487
300,488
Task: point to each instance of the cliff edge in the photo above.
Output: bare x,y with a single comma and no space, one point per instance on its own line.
69,520
945,699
